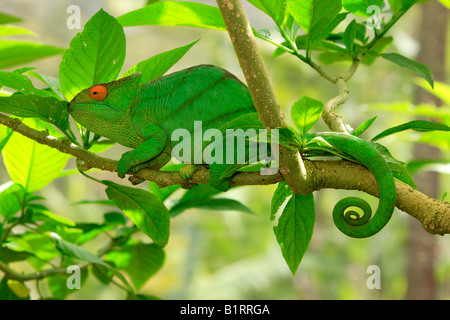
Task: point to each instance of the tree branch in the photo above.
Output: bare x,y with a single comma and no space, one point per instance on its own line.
433,214
266,103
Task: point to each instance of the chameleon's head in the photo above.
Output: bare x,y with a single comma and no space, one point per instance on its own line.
101,107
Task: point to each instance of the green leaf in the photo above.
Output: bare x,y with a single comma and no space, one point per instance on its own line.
31,164
349,37
9,255
316,17
175,13
16,52
305,113
295,229
156,66
419,68
48,109
146,211
222,204
364,126
5,134
75,251
7,18
95,55
279,197
398,168
140,261
359,7
52,82
11,195
14,31
276,9
401,5
417,125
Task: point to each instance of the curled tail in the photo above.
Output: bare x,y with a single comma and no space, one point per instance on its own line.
352,223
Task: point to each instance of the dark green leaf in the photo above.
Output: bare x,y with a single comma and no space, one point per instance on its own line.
95,55
417,125
211,204
156,66
140,261
7,18
295,228
146,211
175,13
419,68
48,109
7,255
349,37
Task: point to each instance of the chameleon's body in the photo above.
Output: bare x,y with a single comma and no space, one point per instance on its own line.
144,116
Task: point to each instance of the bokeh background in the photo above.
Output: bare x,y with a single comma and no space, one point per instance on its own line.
230,255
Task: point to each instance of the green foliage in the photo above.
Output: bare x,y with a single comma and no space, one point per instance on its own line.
295,228
175,13
96,55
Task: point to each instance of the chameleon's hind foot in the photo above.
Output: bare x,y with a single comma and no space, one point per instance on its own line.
187,171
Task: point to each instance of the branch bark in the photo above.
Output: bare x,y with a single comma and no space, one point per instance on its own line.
291,165
433,214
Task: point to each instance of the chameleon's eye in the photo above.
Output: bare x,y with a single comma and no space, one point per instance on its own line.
98,92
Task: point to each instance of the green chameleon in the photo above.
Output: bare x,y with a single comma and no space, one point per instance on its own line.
144,116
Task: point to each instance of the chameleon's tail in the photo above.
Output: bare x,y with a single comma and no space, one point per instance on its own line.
352,223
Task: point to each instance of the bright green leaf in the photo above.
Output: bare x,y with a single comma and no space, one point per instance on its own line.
156,66
316,17
273,8
31,164
305,113
14,31
359,7
175,13
16,52
96,55
364,126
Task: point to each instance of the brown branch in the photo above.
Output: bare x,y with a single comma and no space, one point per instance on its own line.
291,165
433,214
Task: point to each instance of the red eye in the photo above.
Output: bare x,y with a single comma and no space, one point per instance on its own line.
98,92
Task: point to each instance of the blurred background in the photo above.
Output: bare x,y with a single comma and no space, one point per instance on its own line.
230,255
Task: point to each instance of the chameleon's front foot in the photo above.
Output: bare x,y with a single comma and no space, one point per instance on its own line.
123,166
187,171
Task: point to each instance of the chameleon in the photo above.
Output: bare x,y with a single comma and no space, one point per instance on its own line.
144,116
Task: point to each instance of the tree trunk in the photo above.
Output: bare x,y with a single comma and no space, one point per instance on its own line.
421,245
